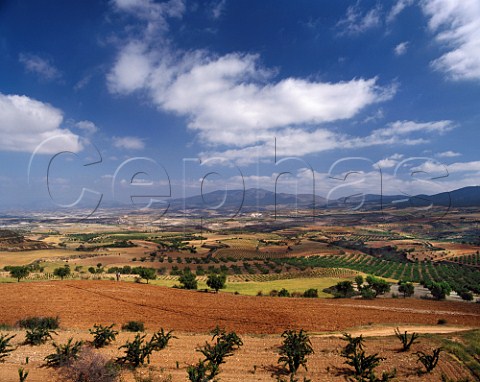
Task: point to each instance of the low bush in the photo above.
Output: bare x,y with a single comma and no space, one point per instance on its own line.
51,323
64,354
134,326
311,293
38,336
429,361
294,350
138,351
90,367
103,335
5,347
405,340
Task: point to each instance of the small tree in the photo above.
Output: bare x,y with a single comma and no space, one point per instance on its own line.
188,280
430,361
103,335
380,286
136,352
147,273
439,290
344,289
139,350
363,365
19,273
407,288
224,346
294,350
38,336
359,282
216,282
62,272
405,340
64,354
5,347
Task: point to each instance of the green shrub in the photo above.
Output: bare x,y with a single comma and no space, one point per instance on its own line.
405,340
62,272
294,350
64,354
51,323
344,289
5,347
22,374
38,336
363,365
160,339
136,352
139,350
134,326
19,272
283,293
216,282
224,346
103,335
188,280
368,294
407,288
311,293
429,361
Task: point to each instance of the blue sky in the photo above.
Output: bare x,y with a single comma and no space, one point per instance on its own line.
143,97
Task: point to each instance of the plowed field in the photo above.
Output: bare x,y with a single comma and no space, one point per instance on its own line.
80,304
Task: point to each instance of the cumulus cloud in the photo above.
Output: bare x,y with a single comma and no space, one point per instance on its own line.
448,154
26,123
87,126
40,66
128,143
231,96
401,48
456,25
356,22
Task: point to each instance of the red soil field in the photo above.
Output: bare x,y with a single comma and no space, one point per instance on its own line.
80,304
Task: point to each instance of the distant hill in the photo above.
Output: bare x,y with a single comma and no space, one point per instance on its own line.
260,199
251,199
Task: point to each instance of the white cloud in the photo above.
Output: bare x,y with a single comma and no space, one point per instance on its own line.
386,163
131,71
357,22
458,167
448,154
35,64
401,48
231,96
218,8
153,13
299,142
398,8
88,126
457,28
129,143
403,128
26,123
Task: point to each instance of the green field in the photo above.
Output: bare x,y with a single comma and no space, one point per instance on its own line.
251,288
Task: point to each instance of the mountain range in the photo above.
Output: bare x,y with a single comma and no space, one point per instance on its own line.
259,199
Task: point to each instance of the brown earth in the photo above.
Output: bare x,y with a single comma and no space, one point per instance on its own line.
79,304
255,361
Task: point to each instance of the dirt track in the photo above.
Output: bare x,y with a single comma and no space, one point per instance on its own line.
80,304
